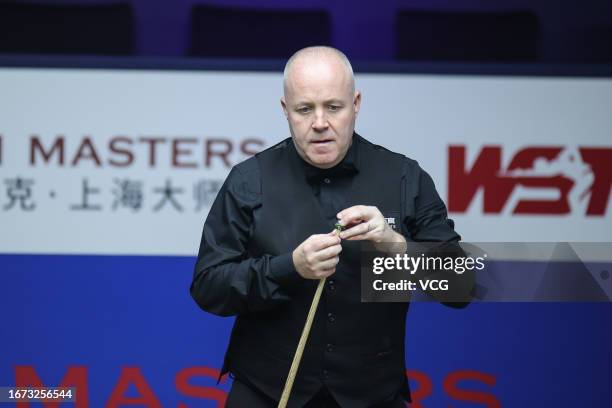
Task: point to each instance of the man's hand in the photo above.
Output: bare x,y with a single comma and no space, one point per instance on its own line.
367,223
317,256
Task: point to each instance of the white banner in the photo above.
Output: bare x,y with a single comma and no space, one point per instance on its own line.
128,162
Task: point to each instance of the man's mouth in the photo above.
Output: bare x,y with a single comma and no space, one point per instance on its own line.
322,142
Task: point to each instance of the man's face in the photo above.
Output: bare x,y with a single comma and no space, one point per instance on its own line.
321,109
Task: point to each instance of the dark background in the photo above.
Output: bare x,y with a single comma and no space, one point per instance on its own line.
544,31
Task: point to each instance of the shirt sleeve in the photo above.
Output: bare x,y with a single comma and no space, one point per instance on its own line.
226,281
426,220
425,216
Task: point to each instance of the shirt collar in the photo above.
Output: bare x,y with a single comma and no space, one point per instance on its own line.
348,166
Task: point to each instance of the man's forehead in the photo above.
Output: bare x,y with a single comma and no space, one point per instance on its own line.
322,66
318,78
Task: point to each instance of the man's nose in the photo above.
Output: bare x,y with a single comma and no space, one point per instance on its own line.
320,121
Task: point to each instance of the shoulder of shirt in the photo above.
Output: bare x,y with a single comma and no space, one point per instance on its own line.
246,167
250,166
246,175
245,179
283,144
410,165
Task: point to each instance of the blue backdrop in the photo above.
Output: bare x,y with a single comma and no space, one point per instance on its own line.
104,314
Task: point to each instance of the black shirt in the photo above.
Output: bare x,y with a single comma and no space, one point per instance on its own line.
223,266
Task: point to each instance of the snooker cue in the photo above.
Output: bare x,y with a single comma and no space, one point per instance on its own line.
295,364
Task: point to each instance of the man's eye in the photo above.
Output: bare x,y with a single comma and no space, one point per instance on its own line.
333,108
303,109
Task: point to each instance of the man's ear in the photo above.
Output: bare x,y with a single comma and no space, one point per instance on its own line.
284,105
357,102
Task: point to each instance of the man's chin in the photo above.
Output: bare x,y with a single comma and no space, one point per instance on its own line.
324,162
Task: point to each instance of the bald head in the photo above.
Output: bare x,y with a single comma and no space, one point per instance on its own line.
317,59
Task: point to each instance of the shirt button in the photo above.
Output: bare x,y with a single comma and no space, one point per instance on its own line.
331,317
329,348
325,373
326,180
331,285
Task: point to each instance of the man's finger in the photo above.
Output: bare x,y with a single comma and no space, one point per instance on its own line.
349,210
355,214
358,229
329,252
329,264
360,237
323,241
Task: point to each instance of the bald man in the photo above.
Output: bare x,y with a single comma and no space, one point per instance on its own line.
267,241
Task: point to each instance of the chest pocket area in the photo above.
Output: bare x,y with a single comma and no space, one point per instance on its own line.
392,218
